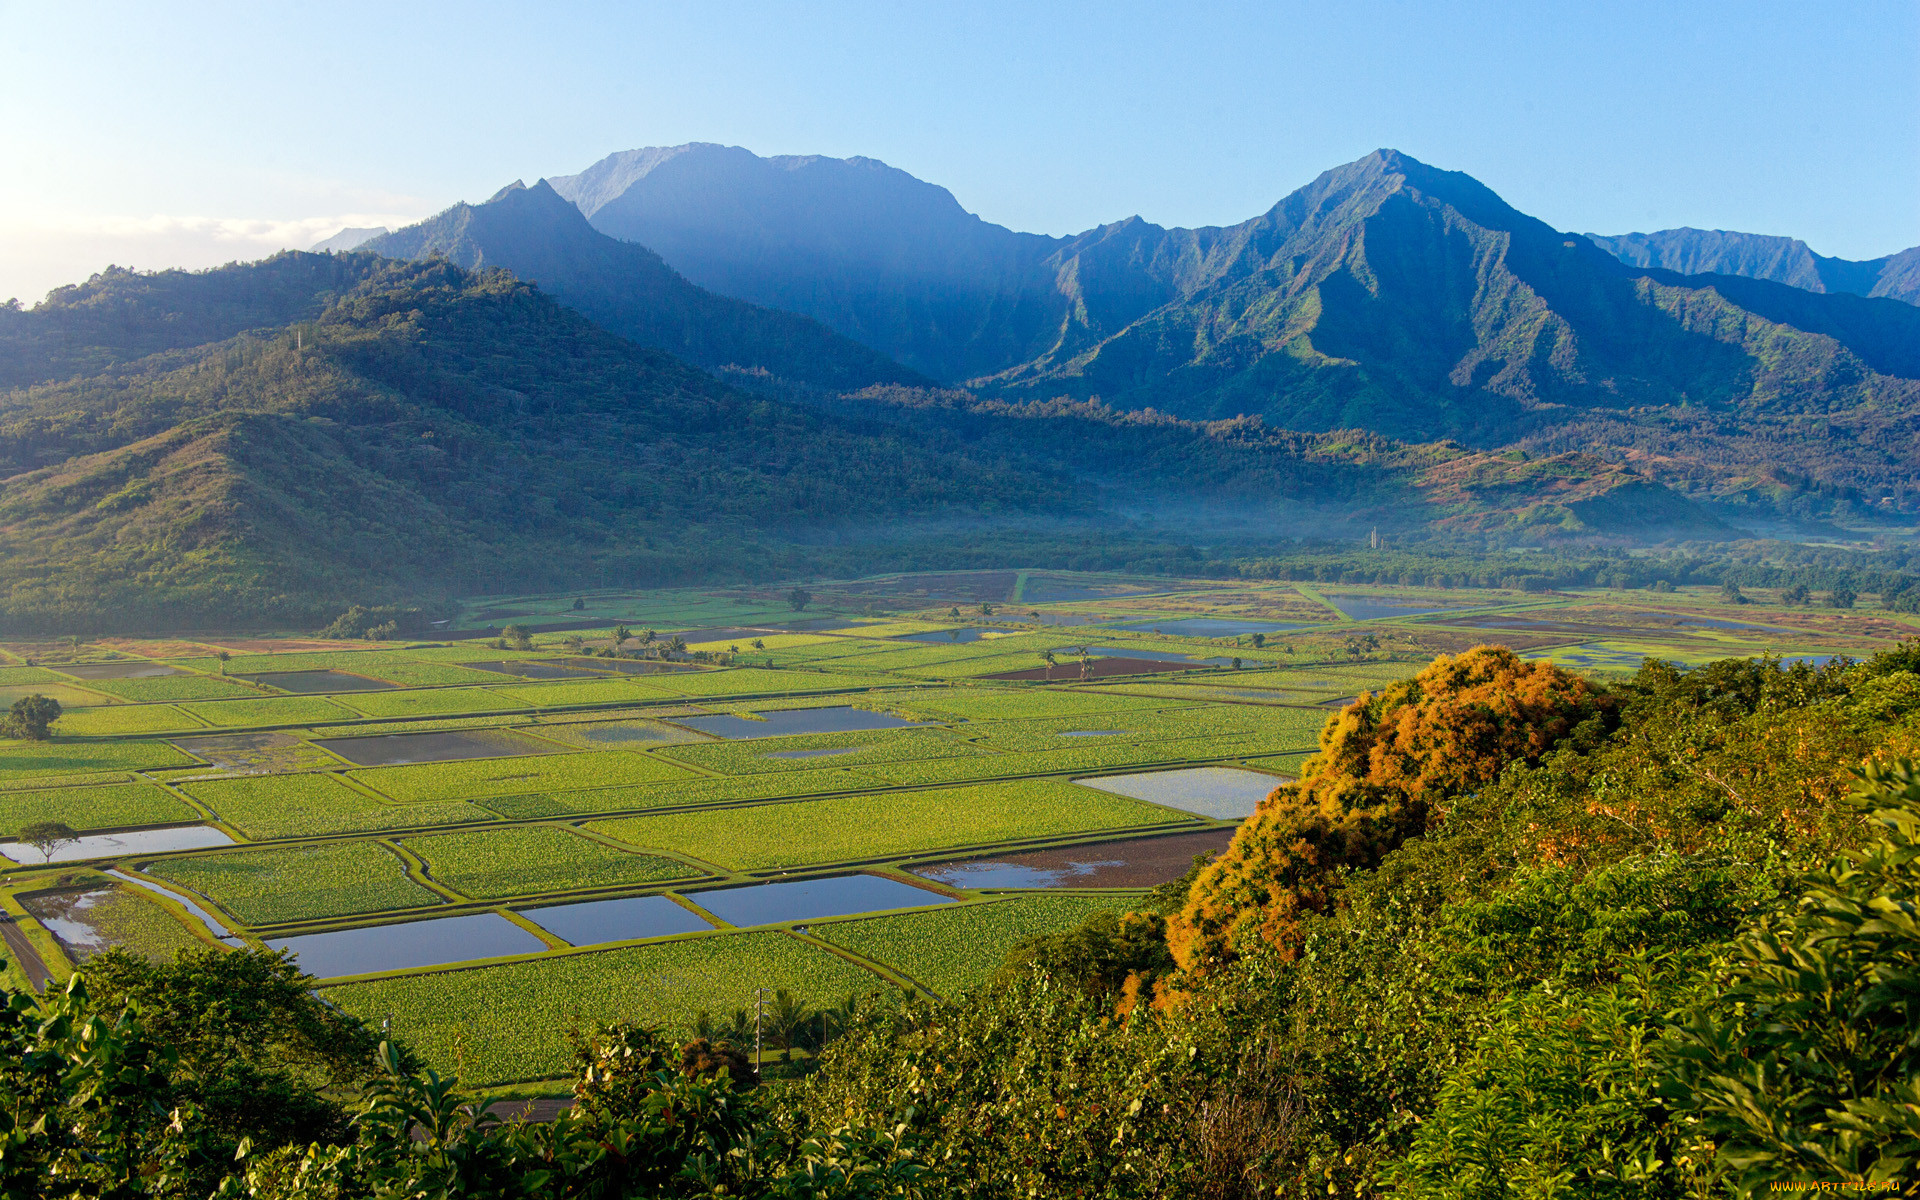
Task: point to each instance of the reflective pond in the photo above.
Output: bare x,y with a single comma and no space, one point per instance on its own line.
1132,862
809,899
1371,608
622,920
393,749
796,720
427,943
944,636
1224,793
533,670
119,670
119,845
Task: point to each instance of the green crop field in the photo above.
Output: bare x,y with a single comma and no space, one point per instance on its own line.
846,828
579,691
112,806
171,687
277,806
481,777
436,702
760,755
279,710
694,790
10,676
495,863
68,696
123,719
744,681
993,704
634,733
299,883
132,918
22,761
952,949
509,1021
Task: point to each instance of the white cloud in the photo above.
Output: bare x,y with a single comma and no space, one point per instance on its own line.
40,253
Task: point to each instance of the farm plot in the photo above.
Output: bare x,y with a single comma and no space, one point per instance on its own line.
279,710
746,681
762,755
10,676
875,825
88,922
22,761
113,806
69,696
491,864
509,1022
579,691
173,687
631,733
479,778
434,702
277,806
950,950
694,790
299,883
122,719
992,704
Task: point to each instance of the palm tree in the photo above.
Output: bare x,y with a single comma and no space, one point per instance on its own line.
786,1022
621,635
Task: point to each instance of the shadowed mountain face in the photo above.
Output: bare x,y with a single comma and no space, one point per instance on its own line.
626,289
882,257
1759,256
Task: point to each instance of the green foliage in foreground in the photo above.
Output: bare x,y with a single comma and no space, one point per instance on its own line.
108,807
493,863
510,1021
299,883
952,950
848,828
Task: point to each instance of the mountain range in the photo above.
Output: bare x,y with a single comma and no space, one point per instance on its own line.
695,363
1761,256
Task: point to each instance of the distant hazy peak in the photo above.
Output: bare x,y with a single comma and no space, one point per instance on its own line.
603,181
348,239
1766,256
518,185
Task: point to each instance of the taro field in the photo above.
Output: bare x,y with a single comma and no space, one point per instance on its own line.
889,790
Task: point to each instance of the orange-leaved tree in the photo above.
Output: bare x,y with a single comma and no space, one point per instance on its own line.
1388,764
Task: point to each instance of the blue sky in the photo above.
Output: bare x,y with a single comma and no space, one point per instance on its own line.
194,133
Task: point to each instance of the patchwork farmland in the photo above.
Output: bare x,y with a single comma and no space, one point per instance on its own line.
571,826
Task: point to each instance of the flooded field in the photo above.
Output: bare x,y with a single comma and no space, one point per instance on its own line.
1164,656
1131,863
395,749
625,666
811,899
1374,608
1224,793
187,902
623,920
781,722
119,845
119,670
429,943
313,683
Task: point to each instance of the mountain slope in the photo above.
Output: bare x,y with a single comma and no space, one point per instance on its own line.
431,431
627,289
1760,256
887,259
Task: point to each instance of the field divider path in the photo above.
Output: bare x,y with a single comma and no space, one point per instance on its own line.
416,869
891,974
547,938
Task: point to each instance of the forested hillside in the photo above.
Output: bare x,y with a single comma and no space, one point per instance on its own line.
430,430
